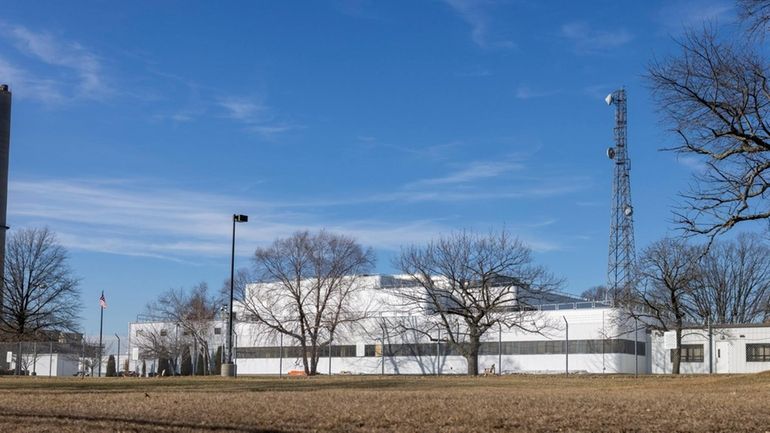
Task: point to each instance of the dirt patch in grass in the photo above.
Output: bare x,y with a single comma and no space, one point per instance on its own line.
388,404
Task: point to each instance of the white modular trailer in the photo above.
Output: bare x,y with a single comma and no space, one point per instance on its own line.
731,349
49,364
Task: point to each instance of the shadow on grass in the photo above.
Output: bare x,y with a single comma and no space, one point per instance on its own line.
325,383
10,418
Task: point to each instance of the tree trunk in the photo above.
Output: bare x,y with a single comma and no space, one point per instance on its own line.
314,355
18,360
676,362
472,355
305,362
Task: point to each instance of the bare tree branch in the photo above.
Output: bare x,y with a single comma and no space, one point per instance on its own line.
40,292
308,289
735,281
466,283
192,311
714,96
664,297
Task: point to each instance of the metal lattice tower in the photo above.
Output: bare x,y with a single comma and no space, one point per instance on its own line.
620,270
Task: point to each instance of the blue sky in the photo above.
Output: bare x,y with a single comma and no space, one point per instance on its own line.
139,128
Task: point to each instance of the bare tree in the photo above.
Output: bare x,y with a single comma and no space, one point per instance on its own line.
735,281
40,291
669,276
161,341
192,311
308,289
90,355
599,293
715,97
466,283
756,15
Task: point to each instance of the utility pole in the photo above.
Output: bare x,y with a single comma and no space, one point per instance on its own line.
5,139
711,349
117,361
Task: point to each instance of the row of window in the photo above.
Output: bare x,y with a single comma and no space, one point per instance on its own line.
341,351
690,353
758,352
164,332
432,349
695,353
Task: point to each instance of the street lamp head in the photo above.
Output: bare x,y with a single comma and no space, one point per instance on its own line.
241,218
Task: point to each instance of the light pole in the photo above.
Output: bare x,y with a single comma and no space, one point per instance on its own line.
499,348
228,368
117,362
566,345
636,346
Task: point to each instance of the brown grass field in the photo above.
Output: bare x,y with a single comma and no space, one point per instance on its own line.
387,404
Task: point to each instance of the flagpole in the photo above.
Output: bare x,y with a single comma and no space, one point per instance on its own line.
101,322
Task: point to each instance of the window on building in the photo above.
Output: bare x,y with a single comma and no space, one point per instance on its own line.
163,333
758,353
549,347
217,331
343,351
690,353
139,332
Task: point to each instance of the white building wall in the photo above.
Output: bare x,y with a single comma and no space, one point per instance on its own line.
728,353
584,324
46,364
597,324
216,335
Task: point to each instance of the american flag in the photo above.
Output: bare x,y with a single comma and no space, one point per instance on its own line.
102,301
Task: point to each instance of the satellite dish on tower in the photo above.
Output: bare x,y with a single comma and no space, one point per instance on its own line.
608,99
611,152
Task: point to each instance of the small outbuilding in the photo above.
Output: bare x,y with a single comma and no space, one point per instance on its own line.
718,349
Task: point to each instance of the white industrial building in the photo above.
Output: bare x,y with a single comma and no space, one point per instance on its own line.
599,342
726,349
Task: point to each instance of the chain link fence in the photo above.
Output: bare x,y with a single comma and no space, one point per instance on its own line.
47,358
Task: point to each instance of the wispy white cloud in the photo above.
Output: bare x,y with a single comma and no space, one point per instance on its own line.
476,14
134,218
25,84
256,116
138,219
586,39
526,92
72,59
471,172
243,109
675,16
695,164
517,191
434,152
598,91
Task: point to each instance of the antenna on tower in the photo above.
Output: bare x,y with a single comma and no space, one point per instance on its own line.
622,252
